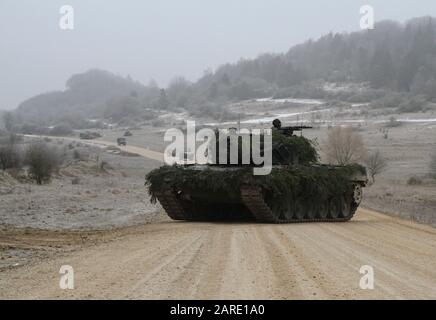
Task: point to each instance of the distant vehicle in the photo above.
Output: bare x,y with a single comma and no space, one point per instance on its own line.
121,141
89,135
128,134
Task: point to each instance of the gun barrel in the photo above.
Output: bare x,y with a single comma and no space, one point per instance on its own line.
290,130
297,128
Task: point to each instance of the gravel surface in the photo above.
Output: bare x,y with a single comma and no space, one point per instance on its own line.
179,260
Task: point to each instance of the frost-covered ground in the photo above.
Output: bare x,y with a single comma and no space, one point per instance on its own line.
81,196
315,112
292,100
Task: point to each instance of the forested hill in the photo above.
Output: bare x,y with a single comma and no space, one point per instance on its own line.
393,57
87,93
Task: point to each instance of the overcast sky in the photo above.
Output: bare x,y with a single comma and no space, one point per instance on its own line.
160,39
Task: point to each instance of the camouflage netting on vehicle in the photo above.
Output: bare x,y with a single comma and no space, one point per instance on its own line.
285,149
299,149
315,183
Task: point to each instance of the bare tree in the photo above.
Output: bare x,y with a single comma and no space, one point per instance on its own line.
375,163
344,146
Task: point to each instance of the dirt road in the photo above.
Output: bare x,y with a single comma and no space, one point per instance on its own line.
216,260
147,153
154,155
185,260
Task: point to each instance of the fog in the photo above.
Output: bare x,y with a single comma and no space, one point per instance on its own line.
161,39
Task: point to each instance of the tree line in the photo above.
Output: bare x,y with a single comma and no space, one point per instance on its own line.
397,62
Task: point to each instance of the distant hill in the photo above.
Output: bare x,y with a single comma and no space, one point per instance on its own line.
396,62
398,57
87,95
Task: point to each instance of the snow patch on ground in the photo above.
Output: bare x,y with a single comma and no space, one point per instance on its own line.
292,100
269,119
345,87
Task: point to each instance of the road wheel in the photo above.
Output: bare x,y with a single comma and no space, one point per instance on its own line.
280,209
323,210
357,194
345,208
311,211
334,208
300,211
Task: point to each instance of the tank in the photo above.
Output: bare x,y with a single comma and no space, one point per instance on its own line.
298,189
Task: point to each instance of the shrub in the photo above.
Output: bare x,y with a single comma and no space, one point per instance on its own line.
413,104
414,181
10,157
42,161
33,129
389,101
158,122
365,96
77,155
149,115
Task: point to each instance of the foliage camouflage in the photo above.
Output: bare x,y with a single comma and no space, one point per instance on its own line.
299,176
301,150
286,149
315,182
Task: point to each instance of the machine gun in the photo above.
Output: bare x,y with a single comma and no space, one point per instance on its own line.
289,131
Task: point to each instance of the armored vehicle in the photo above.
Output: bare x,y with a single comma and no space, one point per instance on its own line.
298,189
121,141
89,135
